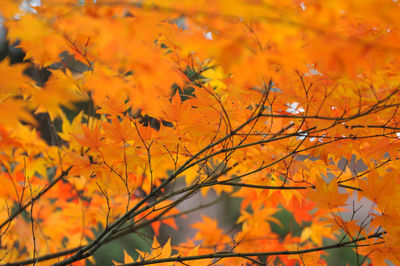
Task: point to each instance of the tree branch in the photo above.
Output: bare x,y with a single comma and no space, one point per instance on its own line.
219,255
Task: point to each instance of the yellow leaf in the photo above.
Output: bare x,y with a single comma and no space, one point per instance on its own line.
60,89
12,111
316,232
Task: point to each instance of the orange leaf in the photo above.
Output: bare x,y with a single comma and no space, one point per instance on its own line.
327,195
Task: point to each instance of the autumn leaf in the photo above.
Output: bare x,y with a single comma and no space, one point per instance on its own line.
14,81
316,232
158,251
177,111
379,189
19,112
209,232
127,259
150,114
32,30
327,195
90,138
119,131
62,89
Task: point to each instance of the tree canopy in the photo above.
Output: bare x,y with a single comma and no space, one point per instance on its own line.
285,105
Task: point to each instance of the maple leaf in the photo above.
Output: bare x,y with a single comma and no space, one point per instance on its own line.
210,233
68,127
14,81
379,189
32,31
127,259
327,195
177,111
90,138
157,252
316,232
61,89
19,112
119,131
301,209
215,77
113,105
6,138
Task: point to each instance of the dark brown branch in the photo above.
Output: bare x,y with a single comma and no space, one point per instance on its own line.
223,183
219,255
